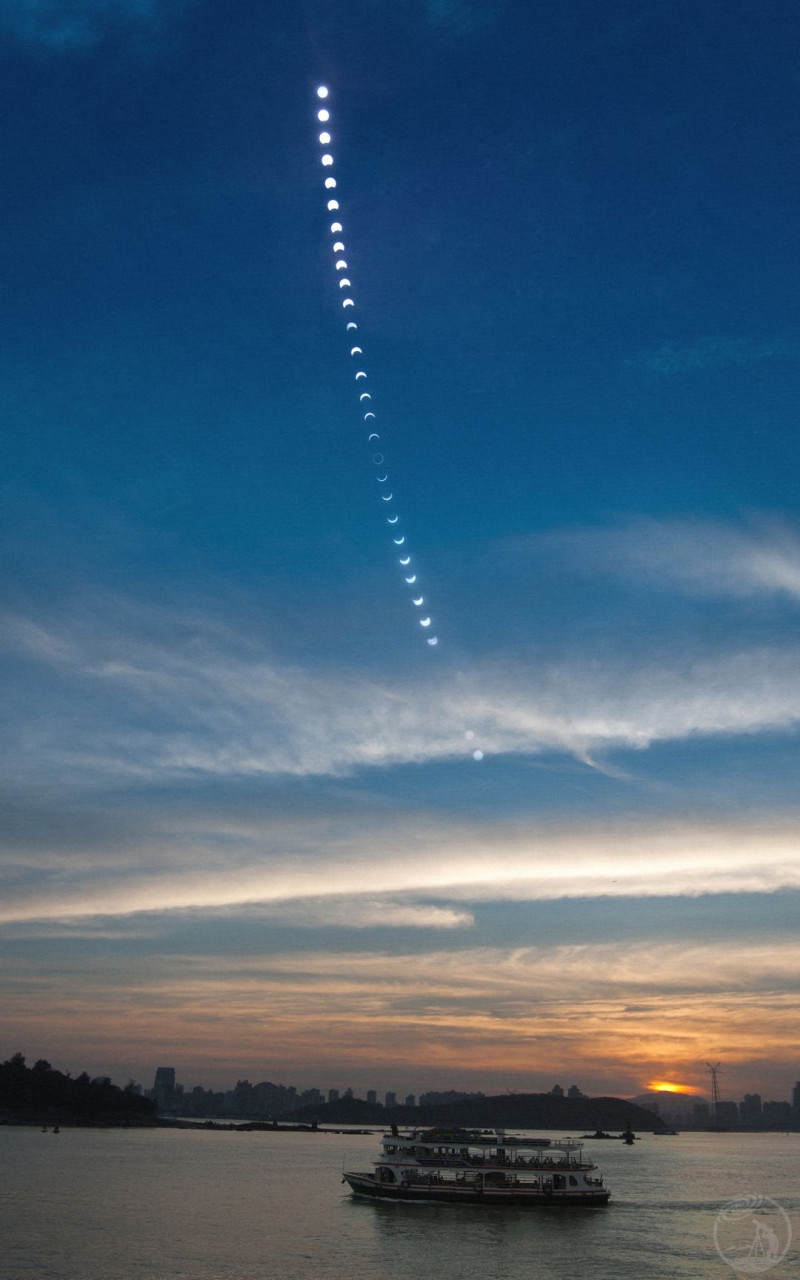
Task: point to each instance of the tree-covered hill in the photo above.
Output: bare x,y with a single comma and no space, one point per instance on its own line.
510,1111
40,1094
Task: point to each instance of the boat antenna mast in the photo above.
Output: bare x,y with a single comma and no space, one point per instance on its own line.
715,1070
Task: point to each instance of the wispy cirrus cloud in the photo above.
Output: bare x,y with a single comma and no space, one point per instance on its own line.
408,870
151,696
758,557
620,1010
461,17
454,19
339,911
712,352
71,24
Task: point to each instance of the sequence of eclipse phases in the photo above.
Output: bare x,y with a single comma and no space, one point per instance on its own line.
365,404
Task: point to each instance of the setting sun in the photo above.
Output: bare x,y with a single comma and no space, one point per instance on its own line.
667,1086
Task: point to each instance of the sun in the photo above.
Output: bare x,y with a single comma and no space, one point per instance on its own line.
669,1086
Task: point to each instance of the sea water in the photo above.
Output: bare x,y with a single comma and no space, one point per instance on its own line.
178,1204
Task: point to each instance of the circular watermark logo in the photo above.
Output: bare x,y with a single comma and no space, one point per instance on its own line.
752,1234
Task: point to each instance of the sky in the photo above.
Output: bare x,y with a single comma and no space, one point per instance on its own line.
244,829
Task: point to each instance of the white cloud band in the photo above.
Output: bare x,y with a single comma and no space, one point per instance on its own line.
214,707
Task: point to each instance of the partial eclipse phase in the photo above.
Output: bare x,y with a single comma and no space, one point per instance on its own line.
327,158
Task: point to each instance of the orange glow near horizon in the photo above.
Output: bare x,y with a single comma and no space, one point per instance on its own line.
668,1086
473,1018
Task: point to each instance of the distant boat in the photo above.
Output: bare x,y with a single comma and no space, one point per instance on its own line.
628,1136
666,1133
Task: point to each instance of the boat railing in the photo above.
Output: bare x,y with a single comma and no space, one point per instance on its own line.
426,1179
428,1159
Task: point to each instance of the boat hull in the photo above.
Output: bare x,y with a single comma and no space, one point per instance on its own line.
363,1184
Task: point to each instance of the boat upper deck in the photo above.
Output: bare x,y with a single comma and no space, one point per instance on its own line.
470,1148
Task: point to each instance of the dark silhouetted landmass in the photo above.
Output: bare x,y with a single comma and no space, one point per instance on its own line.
42,1095
510,1111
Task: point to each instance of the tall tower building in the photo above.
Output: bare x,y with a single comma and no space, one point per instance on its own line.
750,1109
164,1088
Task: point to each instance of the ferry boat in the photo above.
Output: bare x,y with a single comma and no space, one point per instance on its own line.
467,1166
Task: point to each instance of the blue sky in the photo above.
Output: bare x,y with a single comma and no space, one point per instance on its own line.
244,831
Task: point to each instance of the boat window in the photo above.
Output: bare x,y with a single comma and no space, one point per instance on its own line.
573,1182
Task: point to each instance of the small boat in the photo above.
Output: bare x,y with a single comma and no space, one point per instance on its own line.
464,1166
627,1136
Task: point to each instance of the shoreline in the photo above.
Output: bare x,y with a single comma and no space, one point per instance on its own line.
49,1122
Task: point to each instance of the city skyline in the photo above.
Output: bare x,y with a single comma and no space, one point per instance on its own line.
273,1099
251,820
670,1093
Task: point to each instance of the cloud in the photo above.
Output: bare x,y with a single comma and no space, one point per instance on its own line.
461,17
408,870
71,24
535,974
495,1015
700,557
120,695
117,713
338,911
452,20
715,352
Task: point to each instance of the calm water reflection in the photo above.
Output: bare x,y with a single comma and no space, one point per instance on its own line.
139,1205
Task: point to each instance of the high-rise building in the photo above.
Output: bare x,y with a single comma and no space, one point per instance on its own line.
333,1095
164,1088
372,1096
411,1100
269,1099
750,1108
796,1098
777,1112
439,1099
726,1112
390,1099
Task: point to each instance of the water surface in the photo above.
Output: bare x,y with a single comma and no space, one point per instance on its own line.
184,1205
